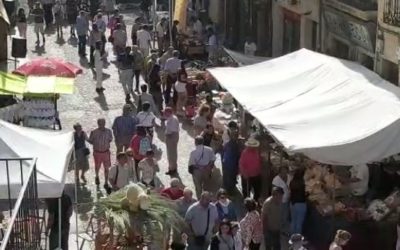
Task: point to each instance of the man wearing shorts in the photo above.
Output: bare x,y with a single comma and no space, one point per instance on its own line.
38,14
101,139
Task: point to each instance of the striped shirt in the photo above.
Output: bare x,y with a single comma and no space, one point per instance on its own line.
101,139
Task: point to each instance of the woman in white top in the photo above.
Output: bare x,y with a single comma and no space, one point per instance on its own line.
180,87
341,239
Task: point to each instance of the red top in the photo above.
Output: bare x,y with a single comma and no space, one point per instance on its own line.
250,163
167,192
135,146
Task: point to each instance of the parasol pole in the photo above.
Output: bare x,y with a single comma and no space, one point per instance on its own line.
171,21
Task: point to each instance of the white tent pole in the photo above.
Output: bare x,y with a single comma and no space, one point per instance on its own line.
59,222
76,209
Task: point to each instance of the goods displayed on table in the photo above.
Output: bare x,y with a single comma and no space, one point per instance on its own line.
38,113
379,209
320,183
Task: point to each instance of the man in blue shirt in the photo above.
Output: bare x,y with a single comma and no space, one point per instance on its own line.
124,127
82,28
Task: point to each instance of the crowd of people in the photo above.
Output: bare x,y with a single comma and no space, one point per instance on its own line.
213,218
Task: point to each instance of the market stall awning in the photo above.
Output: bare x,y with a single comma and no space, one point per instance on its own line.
52,150
334,111
15,84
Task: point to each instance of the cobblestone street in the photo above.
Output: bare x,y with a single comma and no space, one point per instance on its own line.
86,106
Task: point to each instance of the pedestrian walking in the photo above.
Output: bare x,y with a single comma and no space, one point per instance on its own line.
94,37
171,68
225,207
180,88
59,17
48,12
160,29
119,176
230,162
171,140
201,120
81,152
202,218
72,13
154,81
201,163
236,234
139,145
124,128
272,219
144,40
342,238
101,138
282,180
250,169
147,119
251,226
82,29
98,64
21,23
148,169
138,65
145,97
109,7
126,73
182,205
53,222
298,206
38,15
119,39
149,63
223,239
212,45
113,20
101,26
167,55
135,27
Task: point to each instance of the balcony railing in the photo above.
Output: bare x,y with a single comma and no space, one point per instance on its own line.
23,228
364,5
391,12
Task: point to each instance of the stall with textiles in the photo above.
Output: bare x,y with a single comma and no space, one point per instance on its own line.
339,115
37,103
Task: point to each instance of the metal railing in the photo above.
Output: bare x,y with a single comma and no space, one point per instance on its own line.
23,229
391,12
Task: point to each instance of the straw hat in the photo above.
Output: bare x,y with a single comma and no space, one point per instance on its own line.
252,143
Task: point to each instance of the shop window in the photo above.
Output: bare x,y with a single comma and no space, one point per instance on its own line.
314,41
340,50
366,61
291,32
390,71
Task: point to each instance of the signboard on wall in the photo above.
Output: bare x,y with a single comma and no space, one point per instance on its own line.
358,33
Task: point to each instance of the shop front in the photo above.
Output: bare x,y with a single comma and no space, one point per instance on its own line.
350,38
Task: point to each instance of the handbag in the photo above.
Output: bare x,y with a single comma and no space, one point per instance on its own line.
191,168
201,240
86,151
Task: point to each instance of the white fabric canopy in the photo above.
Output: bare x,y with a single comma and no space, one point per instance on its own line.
52,150
334,111
243,59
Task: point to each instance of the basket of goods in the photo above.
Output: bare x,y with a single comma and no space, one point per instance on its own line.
137,217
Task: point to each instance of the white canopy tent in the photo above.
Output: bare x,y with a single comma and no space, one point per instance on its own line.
334,111
52,150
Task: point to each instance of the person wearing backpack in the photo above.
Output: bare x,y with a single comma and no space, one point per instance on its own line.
140,144
148,168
